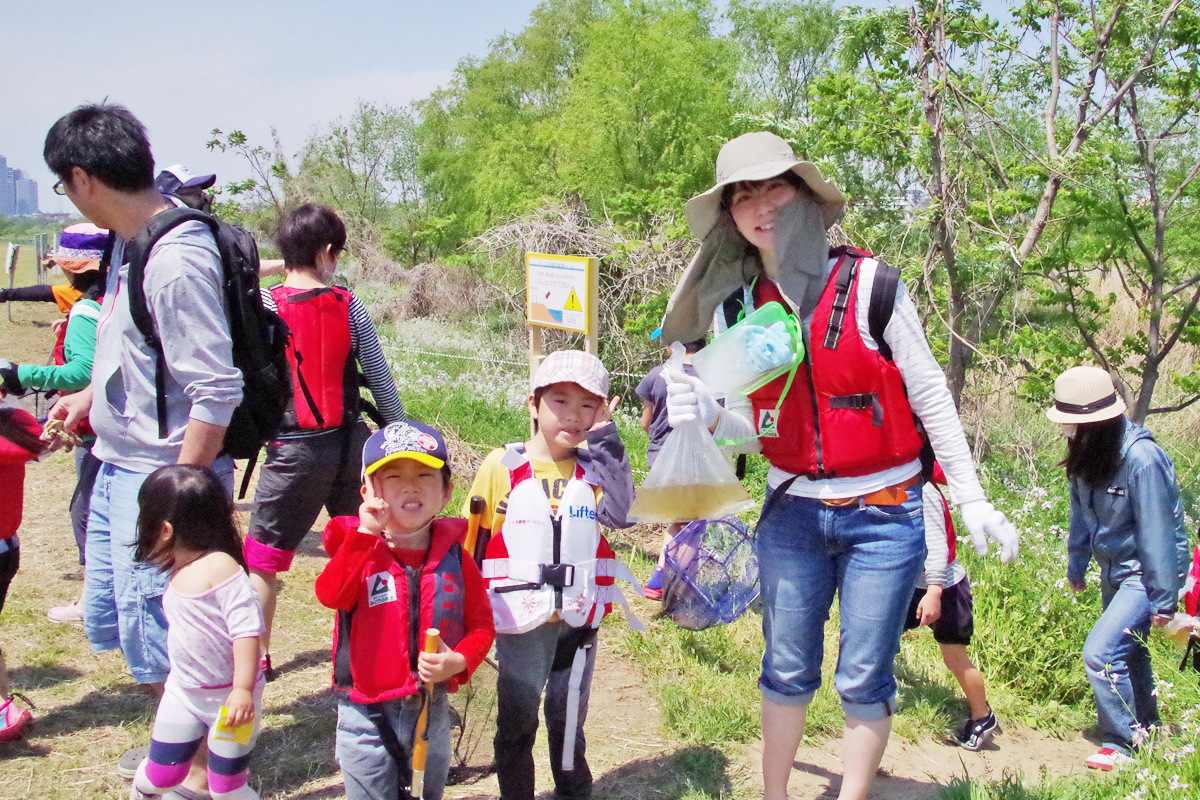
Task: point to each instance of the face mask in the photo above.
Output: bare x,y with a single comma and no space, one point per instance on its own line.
1069,429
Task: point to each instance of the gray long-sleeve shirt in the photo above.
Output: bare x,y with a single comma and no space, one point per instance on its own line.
183,293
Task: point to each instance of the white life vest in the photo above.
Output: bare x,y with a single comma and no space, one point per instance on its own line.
541,563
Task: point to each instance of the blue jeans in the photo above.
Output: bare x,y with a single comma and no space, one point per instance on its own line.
871,557
122,603
1117,663
368,771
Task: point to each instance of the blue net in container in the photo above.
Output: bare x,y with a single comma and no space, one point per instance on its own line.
710,575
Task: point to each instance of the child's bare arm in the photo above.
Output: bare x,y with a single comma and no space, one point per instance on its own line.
245,673
929,610
647,415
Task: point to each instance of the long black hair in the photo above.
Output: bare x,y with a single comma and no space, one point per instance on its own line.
199,509
1094,452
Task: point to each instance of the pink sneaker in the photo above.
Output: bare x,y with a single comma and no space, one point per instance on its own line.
14,719
1106,759
71,613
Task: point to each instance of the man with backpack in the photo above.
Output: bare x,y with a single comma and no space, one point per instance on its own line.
149,406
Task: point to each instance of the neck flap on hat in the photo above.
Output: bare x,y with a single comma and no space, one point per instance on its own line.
726,262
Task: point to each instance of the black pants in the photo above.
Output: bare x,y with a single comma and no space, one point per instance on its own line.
543,658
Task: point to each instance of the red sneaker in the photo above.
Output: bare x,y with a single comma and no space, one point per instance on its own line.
14,719
1106,759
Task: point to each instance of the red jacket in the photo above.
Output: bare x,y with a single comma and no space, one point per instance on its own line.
846,413
372,657
20,425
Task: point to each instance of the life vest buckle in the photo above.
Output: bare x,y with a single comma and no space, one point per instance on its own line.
558,575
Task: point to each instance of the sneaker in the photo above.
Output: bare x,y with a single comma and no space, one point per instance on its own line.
15,719
1107,759
71,613
269,673
976,732
130,760
653,587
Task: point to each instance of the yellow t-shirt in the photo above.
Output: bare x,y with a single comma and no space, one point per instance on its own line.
492,484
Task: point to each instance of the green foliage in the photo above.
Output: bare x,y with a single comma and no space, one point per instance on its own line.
786,45
20,230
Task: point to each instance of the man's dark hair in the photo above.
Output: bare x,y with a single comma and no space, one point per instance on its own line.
695,346
107,142
306,231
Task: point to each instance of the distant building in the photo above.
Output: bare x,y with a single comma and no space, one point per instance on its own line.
25,194
8,194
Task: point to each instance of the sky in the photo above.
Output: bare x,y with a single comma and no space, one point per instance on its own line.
186,68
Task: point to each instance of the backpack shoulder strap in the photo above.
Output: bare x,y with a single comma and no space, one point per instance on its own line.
847,268
883,301
138,252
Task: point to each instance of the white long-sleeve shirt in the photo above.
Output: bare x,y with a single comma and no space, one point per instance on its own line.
928,395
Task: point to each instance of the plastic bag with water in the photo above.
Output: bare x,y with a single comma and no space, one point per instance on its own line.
691,478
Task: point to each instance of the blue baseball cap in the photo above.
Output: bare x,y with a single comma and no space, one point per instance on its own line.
407,439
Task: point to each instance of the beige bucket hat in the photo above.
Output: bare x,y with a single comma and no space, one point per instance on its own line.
1085,394
756,157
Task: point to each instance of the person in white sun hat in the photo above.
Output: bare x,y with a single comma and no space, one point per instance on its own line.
1125,513
843,507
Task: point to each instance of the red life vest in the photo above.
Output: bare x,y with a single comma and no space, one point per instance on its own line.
846,413
324,385
375,645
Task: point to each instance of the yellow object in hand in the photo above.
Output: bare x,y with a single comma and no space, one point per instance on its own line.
239,735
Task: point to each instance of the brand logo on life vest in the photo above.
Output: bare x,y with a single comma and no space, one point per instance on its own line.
580,512
1116,491
381,588
768,422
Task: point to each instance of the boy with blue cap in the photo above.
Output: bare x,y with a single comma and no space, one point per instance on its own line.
396,571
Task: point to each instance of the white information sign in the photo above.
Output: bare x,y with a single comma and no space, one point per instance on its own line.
10,260
558,293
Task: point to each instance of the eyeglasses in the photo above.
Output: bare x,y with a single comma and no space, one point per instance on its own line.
60,188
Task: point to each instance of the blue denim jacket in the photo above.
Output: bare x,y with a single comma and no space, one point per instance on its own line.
1134,526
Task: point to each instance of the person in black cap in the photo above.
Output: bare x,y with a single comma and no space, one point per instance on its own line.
178,182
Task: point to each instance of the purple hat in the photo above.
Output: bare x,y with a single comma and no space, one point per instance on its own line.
404,440
79,248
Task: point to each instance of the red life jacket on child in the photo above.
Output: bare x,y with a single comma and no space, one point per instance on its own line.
939,479
376,644
542,563
846,413
19,431
324,378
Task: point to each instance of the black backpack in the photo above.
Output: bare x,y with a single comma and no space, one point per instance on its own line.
259,336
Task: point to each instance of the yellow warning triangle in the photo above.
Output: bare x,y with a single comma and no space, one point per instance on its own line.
572,303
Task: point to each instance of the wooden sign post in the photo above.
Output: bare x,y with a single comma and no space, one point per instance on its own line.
10,267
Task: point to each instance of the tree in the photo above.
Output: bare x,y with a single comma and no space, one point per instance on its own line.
785,45
1137,214
647,110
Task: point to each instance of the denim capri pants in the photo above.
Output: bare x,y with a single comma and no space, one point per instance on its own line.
870,556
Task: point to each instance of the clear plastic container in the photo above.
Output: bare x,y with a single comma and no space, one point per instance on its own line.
727,364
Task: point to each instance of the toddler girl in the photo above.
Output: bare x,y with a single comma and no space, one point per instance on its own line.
186,528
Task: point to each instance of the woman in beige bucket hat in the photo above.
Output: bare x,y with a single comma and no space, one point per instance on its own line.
843,512
1125,512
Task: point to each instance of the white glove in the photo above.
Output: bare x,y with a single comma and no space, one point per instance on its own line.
689,399
983,520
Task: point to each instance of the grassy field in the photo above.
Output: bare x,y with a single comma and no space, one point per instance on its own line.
1030,628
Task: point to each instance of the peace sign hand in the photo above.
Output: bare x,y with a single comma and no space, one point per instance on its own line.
373,513
605,414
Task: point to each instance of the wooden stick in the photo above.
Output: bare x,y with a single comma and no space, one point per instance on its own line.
433,640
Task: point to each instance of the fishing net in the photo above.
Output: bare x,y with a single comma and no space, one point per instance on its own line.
710,575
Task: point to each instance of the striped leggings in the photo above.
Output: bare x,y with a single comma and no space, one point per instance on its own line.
185,716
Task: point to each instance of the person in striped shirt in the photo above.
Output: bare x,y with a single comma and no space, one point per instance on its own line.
316,459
